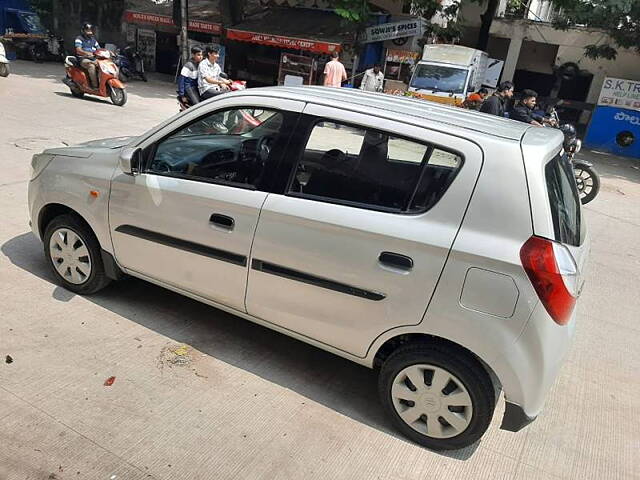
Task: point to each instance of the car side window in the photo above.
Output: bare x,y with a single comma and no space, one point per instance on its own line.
371,169
231,147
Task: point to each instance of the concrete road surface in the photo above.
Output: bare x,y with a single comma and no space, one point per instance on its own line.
199,394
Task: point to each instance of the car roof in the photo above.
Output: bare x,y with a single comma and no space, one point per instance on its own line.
423,112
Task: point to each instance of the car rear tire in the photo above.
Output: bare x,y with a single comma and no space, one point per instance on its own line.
74,255
4,70
436,395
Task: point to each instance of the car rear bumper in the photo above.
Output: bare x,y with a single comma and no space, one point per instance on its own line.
531,365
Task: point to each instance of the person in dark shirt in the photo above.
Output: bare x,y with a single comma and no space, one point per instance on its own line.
188,79
494,105
523,109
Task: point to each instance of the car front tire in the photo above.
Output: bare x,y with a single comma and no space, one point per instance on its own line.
74,255
436,395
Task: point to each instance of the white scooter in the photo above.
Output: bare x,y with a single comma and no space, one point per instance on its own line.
4,63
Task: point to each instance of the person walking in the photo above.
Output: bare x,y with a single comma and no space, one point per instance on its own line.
210,83
334,72
373,80
495,104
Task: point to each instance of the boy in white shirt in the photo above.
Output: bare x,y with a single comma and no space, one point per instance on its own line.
210,83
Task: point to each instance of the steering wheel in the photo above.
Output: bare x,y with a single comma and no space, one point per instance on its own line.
332,158
160,166
263,150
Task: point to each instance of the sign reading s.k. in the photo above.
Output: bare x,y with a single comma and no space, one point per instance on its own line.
617,92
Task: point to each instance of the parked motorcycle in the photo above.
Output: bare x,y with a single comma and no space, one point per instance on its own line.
4,62
236,85
587,178
109,85
51,48
130,63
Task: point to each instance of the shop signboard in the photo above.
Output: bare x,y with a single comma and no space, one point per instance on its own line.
283,42
389,31
621,93
155,19
615,122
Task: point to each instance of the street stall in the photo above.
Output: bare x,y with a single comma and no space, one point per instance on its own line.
398,65
23,34
286,45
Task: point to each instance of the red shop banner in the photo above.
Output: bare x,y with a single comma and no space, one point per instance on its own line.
153,19
283,42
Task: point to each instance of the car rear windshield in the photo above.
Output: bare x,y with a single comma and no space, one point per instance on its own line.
564,201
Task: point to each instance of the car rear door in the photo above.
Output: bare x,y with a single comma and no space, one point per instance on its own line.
188,218
355,244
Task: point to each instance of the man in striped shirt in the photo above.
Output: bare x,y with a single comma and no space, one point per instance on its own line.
188,79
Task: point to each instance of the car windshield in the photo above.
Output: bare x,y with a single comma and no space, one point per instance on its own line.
439,78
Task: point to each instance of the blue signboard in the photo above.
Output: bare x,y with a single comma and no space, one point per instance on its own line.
615,130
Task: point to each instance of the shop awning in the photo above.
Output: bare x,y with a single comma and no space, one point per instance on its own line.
294,28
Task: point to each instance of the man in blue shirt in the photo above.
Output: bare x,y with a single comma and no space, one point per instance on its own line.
188,79
86,45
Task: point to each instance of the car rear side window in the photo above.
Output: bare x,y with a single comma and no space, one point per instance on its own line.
368,168
564,201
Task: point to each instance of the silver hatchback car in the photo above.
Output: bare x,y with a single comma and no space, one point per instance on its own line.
442,247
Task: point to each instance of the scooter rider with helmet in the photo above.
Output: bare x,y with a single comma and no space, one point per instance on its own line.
86,46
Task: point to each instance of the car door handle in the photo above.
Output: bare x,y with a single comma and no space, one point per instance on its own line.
396,260
222,221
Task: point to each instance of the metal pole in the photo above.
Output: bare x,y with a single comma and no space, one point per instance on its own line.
183,31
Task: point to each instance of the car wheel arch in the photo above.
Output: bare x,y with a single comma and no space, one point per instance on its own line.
53,210
397,341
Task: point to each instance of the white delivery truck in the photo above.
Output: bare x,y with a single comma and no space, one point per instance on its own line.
448,73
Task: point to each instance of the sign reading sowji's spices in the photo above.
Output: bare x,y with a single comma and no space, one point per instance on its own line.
617,92
389,31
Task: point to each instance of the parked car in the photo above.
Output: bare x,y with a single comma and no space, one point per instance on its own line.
442,247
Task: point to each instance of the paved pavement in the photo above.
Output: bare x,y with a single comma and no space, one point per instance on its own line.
240,401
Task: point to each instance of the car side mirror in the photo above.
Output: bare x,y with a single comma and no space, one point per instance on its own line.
130,160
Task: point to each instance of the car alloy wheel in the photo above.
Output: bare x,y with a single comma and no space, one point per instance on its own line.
432,401
70,256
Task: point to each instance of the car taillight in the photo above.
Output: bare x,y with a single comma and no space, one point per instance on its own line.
554,276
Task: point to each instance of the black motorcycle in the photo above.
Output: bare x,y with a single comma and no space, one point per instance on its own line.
130,64
587,178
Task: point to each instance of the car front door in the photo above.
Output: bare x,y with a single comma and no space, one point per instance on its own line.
188,218
355,245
